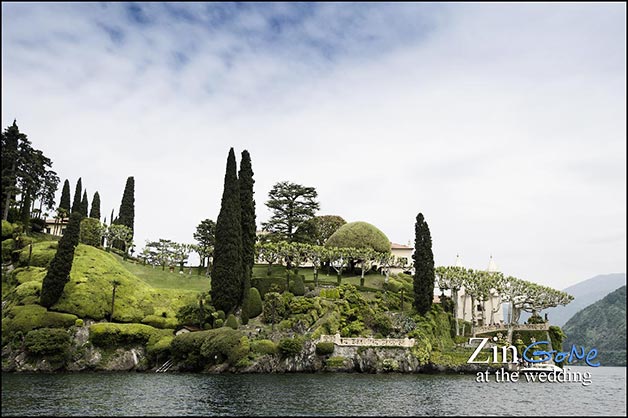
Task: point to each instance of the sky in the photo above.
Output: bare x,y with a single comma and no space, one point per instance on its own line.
503,124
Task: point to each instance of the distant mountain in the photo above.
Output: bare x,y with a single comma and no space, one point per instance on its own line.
585,293
601,325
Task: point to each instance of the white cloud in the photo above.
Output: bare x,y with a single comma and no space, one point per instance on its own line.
503,124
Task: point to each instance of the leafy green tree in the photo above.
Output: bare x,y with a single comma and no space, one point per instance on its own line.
64,203
126,214
226,291
25,173
47,190
120,233
95,210
181,252
452,278
92,232
61,264
76,203
205,236
159,253
247,219
269,253
291,204
318,229
423,266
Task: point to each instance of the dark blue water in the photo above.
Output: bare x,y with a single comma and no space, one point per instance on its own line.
116,394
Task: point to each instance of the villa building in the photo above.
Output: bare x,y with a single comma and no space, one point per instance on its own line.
494,311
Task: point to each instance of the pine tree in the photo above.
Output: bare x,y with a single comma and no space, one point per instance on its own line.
226,274
76,203
59,271
64,203
84,204
126,213
247,213
423,266
95,210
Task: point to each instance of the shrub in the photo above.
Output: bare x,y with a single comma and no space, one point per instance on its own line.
78,323
232,322
255,303
47,342
263,347
324,348
161,347
8,245
296,285
291,346
111,335
268,284
221,315
160,321
274,308
225,344
335,362
29,317
92,232
330,293
7,229
187,348
38,224
218,323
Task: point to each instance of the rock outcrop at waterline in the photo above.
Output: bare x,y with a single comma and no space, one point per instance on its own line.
84,356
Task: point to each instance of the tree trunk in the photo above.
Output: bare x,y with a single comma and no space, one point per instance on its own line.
454,297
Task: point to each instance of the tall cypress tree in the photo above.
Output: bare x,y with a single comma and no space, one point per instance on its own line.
226,274
95,210
126,214
59,271
423,266
76,203
247,214
64,203
84,204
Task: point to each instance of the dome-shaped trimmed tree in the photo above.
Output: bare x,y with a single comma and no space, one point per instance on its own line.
359,235
363,240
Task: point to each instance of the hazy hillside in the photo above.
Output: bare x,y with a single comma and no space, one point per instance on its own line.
585,293
601,325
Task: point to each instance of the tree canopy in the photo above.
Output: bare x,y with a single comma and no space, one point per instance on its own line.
359,235
291,205
26,172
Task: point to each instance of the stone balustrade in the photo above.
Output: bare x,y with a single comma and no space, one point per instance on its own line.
517,327
367,342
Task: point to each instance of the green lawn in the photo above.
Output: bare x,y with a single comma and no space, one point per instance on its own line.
166,279
174,280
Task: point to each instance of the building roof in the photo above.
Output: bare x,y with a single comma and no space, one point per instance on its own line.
395,246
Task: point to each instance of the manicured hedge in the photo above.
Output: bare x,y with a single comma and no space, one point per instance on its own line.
255,303
47,342
263,347
324,348
107,334
291,346
29,317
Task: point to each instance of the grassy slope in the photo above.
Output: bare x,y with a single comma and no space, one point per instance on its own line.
157,278
88,294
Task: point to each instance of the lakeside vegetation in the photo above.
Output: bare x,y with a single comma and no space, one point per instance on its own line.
238,311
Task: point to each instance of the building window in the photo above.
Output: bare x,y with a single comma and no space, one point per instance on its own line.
479,308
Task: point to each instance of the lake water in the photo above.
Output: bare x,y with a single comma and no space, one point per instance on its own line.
172,394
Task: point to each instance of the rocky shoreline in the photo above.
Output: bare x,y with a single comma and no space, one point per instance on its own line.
84,356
